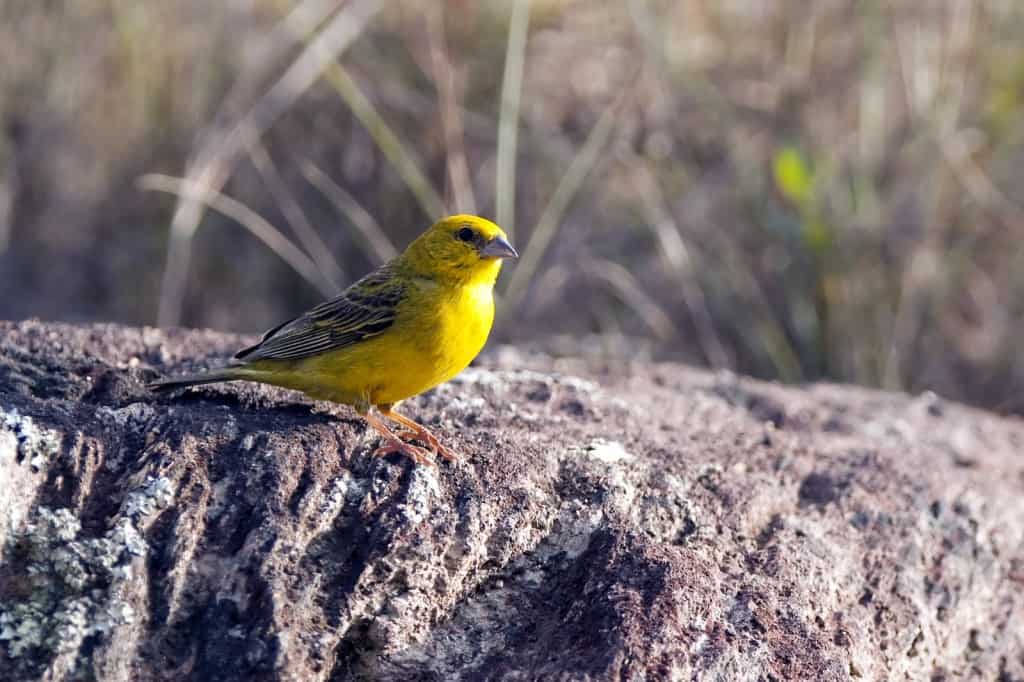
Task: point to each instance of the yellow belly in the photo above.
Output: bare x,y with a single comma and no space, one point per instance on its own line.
433,338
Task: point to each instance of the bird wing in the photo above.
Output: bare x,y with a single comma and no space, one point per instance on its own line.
365,309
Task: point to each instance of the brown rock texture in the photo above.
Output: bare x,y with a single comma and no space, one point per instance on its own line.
608,520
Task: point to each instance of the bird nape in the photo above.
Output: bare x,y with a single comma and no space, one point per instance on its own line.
406,327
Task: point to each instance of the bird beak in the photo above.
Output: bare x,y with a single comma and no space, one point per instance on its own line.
498,248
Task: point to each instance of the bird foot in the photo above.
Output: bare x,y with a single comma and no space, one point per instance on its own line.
416,454
433,444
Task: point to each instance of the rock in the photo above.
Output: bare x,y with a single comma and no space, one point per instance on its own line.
648,522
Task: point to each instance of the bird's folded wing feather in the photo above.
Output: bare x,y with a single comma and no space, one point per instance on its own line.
365,309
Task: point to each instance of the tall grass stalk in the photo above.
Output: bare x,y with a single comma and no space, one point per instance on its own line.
629,291
679,262
508,117
375,241
387,141
247,218
293,213
445,76
213,163
547,225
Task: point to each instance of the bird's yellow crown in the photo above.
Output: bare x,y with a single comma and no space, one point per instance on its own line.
459,249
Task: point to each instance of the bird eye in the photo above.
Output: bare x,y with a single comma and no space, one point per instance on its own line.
465,234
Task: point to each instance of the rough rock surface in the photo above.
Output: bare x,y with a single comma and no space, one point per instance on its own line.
644,522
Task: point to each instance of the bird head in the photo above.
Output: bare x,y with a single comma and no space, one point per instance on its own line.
461,249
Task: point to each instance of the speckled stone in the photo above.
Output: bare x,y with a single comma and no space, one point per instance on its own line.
607,521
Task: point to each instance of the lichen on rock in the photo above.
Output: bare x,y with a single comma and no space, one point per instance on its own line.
64,587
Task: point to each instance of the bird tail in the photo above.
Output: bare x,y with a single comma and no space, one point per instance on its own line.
198,379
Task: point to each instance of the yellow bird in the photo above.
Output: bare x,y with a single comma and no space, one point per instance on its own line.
410,325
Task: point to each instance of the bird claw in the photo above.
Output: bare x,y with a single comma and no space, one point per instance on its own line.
433,444
442,450
416,454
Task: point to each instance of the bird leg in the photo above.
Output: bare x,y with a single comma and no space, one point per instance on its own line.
419,432
393,443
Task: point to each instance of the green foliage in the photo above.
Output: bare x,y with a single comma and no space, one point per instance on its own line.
792,176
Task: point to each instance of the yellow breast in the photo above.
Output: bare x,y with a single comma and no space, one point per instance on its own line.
436,334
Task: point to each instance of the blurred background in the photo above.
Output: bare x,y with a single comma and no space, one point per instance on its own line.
791,190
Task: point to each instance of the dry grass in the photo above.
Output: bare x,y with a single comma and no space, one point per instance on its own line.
756,186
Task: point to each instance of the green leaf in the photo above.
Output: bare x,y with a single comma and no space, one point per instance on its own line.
792,176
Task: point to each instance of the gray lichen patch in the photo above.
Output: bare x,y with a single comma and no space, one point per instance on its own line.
423,491
61,587
24,441
28,450
634,491
133,415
